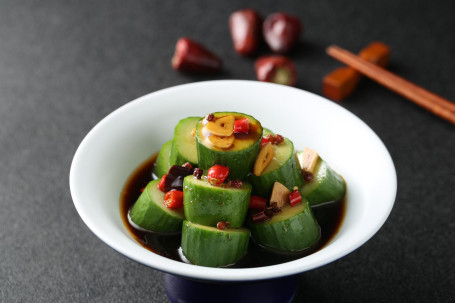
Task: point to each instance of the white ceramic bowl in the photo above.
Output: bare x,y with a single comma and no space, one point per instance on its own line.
128,136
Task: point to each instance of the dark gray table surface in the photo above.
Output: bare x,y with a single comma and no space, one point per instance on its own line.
64,65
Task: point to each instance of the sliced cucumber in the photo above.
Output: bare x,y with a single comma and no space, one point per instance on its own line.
210,246
184,142
163,162
149,211
208,204
326,186
293,229
239,157
266,131
283,168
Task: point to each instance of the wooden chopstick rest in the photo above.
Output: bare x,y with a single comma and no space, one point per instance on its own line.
341,82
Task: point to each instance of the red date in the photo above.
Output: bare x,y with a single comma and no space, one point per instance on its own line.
276,69
245,28
281,31
193,57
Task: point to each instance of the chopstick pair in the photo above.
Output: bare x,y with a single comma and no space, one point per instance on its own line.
426,99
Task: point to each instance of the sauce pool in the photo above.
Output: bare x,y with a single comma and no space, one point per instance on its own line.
329,216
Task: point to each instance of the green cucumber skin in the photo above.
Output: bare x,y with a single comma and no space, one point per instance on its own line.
240,162
181,152
209,246
327,185
147,213
163,163
266,131
208,204
289,174
296,233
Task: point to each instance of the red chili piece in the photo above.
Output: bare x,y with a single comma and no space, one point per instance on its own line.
257,202
193,57
217,174
173,199
264,141
281,31
295,198
259,217
245,28
162,182
276,69
241,126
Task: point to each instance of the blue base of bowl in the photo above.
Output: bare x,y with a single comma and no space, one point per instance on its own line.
183,290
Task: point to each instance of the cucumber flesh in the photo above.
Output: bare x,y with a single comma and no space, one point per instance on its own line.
163,162
212,247
266,131
326,186
283,168
149,211
293,229
208,204
184,142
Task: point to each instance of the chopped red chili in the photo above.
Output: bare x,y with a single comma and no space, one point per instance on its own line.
162,182
295,198
217,174
259,217
257,202
264,141
241,126
173,199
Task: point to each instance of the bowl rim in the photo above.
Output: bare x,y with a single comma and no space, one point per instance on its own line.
228,274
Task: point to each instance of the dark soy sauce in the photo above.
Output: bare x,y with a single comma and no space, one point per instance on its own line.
329,216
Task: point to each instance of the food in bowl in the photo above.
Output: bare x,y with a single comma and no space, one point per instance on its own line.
223,179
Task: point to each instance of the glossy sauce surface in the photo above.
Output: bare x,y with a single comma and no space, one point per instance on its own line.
241,141
329,216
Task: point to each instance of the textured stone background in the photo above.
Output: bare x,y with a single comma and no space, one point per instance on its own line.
64,65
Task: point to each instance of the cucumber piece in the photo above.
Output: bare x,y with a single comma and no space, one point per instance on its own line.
184,142
163,162
326,186
210,246
293,229
239,157
208,204
149,211
283,168
266,131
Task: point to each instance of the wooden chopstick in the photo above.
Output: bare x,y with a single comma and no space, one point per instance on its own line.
426,99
